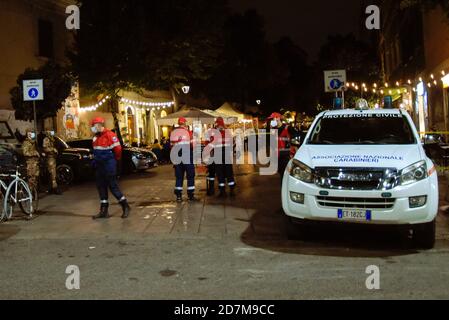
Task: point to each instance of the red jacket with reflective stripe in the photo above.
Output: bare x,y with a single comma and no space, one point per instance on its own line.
283,139
226,139
181,136
107,142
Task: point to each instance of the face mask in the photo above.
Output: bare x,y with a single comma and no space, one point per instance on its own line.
94,130
274,123
52,133
32,136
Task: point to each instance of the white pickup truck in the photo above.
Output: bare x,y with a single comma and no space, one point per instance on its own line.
362,166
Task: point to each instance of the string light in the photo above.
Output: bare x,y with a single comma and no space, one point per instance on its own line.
149,104
95,106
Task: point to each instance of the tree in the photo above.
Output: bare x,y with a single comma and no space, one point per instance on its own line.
57,87
144,44
294,93
107,54
249,65
183,43
358,59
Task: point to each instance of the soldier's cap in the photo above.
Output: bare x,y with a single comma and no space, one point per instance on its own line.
97,120
182,121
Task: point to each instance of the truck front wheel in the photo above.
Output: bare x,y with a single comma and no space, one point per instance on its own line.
294,231
424,235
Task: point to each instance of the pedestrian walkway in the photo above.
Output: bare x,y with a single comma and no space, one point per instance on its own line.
154,209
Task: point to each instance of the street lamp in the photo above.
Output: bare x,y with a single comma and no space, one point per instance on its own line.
258,102
186,89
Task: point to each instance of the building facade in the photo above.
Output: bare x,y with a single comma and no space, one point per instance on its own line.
34,32
414,53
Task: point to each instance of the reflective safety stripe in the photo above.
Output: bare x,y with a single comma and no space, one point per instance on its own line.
122,199
222,145
231,184
181,143
191,188
210,179
178,188
104,201
112,146
222,185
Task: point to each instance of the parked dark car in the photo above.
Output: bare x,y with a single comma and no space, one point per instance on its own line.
133,158
73,163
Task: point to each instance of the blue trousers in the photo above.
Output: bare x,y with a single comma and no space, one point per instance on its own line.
180,171
107,179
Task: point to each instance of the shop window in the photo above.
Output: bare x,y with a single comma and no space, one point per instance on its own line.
45,38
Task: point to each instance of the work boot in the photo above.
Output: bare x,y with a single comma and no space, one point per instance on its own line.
222,193
178,197
211,188
192,197
104,214
126,209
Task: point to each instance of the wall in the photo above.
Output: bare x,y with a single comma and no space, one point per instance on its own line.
19,38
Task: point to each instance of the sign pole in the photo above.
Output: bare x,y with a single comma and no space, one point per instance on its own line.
35,118
33,90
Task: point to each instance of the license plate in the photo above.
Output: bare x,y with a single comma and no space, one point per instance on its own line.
354,214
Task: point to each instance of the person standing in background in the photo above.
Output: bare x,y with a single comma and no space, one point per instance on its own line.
29,148
51,153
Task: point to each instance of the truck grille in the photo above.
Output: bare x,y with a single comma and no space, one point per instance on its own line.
358,203
356,178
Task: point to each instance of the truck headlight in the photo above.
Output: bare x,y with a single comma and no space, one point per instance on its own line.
300,171
414,173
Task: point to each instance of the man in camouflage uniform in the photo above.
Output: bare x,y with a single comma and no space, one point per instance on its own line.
51,153
31,155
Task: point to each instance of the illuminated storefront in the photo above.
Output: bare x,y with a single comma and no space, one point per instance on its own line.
421,107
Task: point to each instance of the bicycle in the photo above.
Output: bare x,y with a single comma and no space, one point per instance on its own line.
18,192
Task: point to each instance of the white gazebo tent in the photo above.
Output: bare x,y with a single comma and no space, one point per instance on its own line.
229,110
245,121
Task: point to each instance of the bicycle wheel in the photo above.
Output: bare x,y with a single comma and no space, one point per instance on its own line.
2,202
25,198
35,202
9,201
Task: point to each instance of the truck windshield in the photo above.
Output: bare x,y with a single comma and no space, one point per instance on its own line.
366,130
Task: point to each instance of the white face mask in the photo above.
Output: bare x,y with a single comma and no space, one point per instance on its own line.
52,133
274,123
32,135
94,130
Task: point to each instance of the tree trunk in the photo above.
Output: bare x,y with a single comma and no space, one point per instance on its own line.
175,99
115,111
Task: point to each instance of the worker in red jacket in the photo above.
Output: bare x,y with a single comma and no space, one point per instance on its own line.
181,140
107,151
210,178
283,144
224,148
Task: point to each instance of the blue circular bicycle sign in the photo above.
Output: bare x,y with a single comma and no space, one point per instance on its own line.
335,84
33,90
33,93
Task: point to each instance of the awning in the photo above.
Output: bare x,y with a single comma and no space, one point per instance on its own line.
191,115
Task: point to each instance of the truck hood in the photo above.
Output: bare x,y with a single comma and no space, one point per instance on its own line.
374,156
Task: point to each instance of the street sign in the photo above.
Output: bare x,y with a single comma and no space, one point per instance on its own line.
334,80
33,90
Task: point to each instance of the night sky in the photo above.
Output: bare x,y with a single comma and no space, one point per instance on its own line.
308,23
